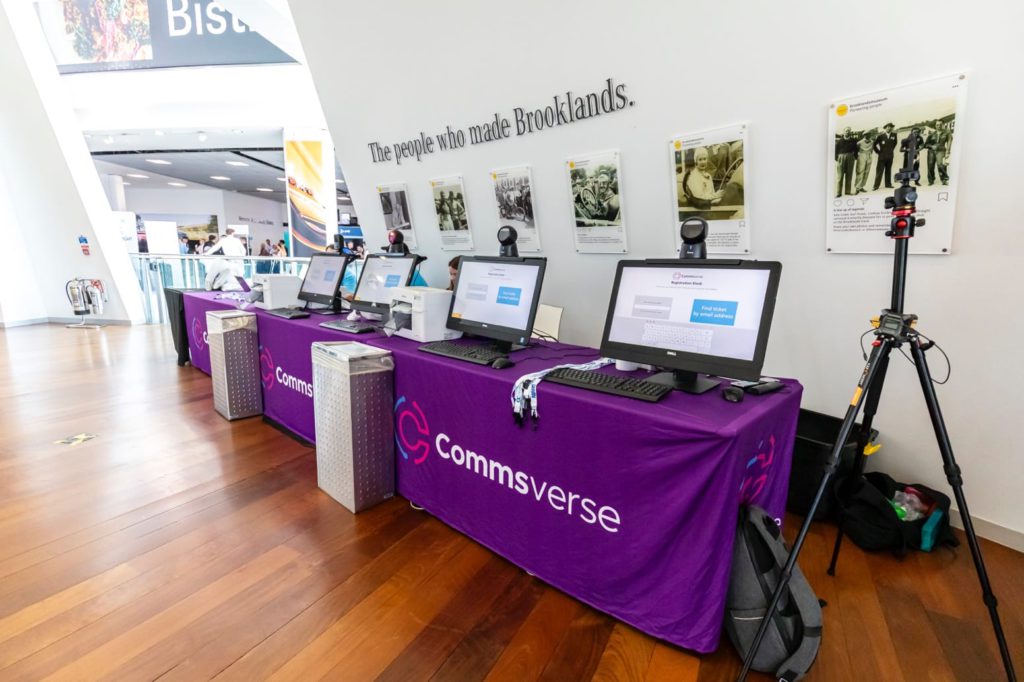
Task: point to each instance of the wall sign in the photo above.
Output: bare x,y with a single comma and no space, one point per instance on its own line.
108,35
312,200
513,197
452,217
708,182
562,109
866,137
595,187
394,203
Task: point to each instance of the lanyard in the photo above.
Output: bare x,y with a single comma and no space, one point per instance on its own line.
524,392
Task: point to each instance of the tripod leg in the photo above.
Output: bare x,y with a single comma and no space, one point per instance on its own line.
873,394
867,378
952,470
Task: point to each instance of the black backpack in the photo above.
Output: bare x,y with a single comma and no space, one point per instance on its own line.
791,642
872,523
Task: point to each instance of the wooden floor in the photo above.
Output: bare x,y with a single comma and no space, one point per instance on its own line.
176,545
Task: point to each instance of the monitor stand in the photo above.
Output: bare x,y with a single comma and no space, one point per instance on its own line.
504,347
687,382
333,309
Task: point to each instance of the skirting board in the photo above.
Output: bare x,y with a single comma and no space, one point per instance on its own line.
1014,539
88,320
24,323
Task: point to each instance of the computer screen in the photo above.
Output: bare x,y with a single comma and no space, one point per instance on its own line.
497,297
690,315
381,273
323,276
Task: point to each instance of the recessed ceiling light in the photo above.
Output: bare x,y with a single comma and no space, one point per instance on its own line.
138,175
158,133
159,162
263,189
219,177
202,136
236,131
108,140
340,182
236,163
283,179
177,184
126,183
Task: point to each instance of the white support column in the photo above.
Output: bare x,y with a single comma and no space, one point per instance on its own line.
53,188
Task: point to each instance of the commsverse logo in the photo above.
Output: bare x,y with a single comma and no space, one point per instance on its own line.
411,418
757,473
267,368
199,334
272,373
414,440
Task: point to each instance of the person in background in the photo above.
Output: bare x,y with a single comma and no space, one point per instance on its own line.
453,271
230,245
865,148
266,250
938,146
282,250
885,147
209,244
183,245
698,185
846,161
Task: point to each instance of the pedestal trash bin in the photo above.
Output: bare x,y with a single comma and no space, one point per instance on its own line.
353,403
234,363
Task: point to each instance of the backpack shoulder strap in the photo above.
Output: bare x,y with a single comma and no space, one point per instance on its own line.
803,598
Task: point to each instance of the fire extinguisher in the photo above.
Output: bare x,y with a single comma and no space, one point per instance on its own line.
86,297
76,295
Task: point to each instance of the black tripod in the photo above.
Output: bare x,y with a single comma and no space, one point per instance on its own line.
895,328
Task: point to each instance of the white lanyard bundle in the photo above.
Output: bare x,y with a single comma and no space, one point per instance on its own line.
524,393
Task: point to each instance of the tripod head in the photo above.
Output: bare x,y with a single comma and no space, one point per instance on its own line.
903,202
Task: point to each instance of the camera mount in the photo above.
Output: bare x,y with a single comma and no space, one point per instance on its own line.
893,329
507,237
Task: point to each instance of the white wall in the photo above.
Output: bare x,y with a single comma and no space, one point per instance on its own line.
20,302
264,217
177,201
53,190
690,66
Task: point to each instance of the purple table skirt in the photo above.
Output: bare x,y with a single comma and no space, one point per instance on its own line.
628,506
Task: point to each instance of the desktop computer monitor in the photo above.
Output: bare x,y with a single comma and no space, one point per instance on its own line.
497,298
381,273
692,316
323,278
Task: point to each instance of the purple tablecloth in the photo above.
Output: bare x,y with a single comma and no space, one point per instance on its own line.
196,307
628,506
285,361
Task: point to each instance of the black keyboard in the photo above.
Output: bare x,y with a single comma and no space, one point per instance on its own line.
350,326
288,313
609,383
480,355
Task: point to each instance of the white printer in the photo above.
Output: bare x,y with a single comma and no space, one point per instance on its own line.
428,308
276,291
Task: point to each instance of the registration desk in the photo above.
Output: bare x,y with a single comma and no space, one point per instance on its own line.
628,506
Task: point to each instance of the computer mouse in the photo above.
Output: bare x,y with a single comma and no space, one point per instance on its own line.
734,394
502,363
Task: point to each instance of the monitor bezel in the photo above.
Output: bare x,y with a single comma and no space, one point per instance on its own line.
495,332
369,306
309,297
695,362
